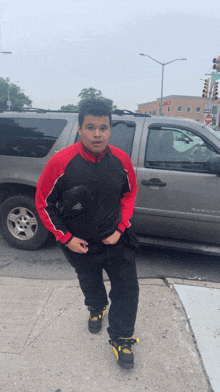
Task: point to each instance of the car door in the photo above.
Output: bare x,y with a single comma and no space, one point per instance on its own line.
177,196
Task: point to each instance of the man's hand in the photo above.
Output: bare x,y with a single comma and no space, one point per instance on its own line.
77,245
112,239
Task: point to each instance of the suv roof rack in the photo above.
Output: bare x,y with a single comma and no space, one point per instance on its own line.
37,110
119,112
129,112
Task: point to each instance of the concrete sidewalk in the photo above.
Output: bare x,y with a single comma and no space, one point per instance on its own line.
46,345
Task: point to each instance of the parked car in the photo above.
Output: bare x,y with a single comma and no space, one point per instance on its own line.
177,163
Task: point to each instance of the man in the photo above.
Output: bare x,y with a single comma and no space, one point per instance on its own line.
85,197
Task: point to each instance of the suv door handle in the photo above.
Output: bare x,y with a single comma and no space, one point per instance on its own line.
153,182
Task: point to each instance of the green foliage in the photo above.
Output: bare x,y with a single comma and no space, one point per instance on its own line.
87,94
17,97
69,108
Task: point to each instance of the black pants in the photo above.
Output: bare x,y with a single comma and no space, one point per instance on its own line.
119,263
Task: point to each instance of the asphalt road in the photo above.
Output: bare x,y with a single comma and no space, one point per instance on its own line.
50,263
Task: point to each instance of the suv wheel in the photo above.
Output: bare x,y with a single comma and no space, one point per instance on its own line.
21,225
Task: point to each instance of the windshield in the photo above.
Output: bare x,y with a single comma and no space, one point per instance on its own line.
215,133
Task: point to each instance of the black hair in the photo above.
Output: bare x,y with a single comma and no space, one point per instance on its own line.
94,107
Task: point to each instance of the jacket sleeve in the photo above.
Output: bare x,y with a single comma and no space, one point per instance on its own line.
47,195
129,193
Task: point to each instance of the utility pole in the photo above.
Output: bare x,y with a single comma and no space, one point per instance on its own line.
163,64
212,94
214,76
9,101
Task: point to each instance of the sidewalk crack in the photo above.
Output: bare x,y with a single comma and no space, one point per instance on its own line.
39,316
26,345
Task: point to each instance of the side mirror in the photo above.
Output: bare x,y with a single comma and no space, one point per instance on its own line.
214,164
187,139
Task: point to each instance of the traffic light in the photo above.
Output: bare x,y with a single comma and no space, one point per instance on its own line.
215,91
206,89
213,120
216,62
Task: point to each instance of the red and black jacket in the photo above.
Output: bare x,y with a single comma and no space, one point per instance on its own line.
110,180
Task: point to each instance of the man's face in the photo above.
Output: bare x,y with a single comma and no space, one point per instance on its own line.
95,133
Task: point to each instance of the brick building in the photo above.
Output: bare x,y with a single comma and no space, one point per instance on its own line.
182,106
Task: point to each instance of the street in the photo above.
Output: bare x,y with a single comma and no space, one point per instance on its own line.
50,263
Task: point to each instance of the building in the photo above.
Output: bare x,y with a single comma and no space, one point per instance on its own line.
182,106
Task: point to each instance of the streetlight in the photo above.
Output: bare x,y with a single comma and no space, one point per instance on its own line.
163,64
9,86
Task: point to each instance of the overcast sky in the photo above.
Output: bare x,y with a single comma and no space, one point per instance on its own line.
60,47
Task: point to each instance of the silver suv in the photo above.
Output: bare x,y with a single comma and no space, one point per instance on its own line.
177,163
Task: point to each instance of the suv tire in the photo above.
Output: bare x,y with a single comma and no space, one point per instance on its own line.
20,223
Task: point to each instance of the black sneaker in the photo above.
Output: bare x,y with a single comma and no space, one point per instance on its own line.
95,319
122,350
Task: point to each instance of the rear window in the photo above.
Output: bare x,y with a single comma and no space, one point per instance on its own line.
122,135
29,137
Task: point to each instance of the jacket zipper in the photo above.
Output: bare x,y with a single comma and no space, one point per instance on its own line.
97,198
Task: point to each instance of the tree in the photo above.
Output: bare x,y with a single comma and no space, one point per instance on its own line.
17,97
91,93
87,94
69,108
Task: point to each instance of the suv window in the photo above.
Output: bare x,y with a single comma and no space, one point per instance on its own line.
122,135
29,137
177,149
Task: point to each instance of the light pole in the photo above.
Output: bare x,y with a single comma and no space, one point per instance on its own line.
163,64
9,99
9,103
